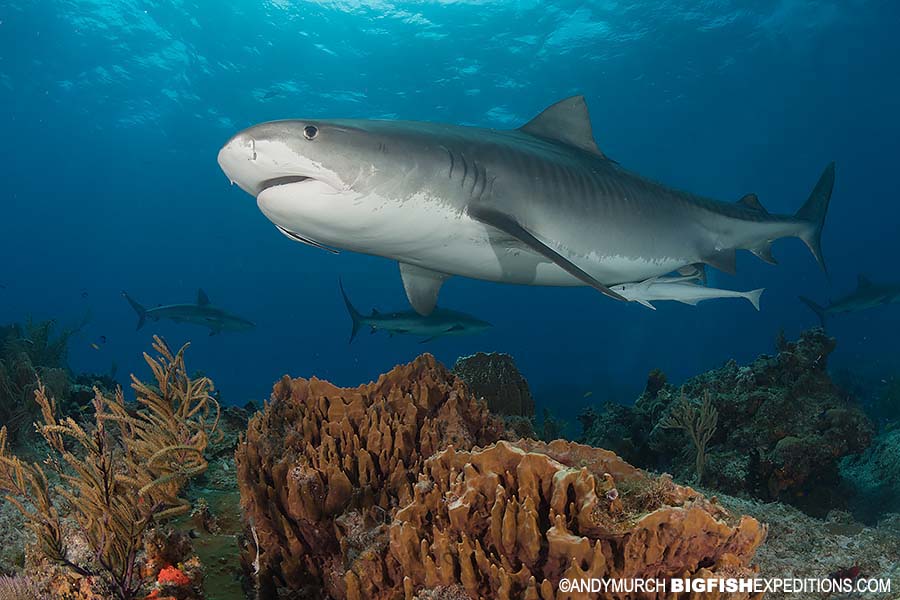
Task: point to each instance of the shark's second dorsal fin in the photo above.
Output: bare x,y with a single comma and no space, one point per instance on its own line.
752,201
567,121
863,282
202,298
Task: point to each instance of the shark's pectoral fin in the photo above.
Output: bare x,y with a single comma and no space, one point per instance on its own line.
723,260
511,227
452,328
646,303
428,339
213,332
422,287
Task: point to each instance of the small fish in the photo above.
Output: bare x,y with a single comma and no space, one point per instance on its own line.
84,294
271,94
588,394
95,346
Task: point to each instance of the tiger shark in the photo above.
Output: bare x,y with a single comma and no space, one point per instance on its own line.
537,205
202,313
867,295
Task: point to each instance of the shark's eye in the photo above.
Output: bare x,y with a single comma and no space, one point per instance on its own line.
310,132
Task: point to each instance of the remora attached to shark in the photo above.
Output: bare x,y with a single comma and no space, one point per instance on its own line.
202,313
866,295
538,205
440,323
680,289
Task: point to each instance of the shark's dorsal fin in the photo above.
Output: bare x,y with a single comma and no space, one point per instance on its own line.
202,298
567,121
863,282
751,201
375,312
422,287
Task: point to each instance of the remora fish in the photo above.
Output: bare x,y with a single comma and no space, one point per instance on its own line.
202,313
538,205
867,295
680,289
441,322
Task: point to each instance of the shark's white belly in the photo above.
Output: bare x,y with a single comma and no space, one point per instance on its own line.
430,233
455,244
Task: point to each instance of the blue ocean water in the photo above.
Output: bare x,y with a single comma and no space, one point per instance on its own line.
114,111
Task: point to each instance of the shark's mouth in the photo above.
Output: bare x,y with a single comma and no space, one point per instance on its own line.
304,240
276,181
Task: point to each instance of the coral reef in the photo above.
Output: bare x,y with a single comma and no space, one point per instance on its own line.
874,477
804,547
783,427
17,588
322,466
509,521
117,478
495,378
29,352
404,488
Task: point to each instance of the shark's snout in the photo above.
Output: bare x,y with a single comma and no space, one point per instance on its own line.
237,158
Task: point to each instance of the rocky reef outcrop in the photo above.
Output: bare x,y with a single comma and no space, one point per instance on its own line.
495,378
405,488
874,477
782,427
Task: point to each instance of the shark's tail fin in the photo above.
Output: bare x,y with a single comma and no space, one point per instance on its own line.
753,297
812,213
819,310
140,310
354,314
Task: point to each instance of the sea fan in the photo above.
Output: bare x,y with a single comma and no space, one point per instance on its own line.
17,588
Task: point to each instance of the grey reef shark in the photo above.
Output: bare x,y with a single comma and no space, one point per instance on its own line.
537,205
441,322
866,295
202,313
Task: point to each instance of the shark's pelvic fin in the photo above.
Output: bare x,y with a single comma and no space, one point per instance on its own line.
723,260
202,298
511,227
422,287
567,121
